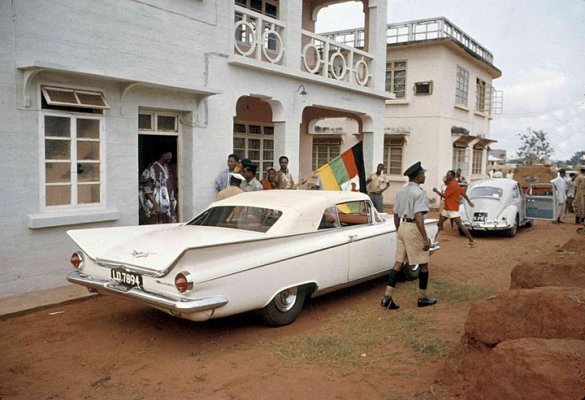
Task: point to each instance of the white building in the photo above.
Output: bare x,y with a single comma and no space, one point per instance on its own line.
442,80
90,92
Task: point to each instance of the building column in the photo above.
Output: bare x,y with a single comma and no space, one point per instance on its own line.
376,24
287,140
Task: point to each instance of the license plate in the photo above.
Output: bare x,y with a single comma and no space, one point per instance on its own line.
126,278
479,217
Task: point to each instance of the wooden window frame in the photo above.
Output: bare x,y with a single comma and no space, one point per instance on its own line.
391,70
392,145
262,136
73,160
324,141
462,86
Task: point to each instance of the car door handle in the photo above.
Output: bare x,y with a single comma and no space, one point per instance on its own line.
352,238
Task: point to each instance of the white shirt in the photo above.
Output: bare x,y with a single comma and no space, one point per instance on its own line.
561,189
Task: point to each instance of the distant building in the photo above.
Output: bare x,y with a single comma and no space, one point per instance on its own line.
444,100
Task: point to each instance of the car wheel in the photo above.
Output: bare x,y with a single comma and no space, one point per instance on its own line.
513,230
410,272
285,307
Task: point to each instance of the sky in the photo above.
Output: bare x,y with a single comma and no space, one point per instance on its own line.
539,45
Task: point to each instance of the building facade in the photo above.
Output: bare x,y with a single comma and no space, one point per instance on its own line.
91,93
444,100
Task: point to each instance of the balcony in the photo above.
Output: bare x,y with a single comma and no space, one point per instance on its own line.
260,37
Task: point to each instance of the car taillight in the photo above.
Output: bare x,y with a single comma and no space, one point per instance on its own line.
76,259
184,282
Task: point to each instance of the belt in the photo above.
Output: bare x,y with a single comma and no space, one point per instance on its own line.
408,220
371,193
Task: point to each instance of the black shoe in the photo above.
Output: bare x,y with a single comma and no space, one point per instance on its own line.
426,301
388,304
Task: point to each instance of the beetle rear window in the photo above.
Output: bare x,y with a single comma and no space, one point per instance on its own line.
237,217
486,191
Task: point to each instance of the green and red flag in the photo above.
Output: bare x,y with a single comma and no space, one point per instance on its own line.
345,172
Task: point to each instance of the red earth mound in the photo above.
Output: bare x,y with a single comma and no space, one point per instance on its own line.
528,275
531,369
546,312
576,245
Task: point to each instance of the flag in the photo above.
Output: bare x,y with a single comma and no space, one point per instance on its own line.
345,172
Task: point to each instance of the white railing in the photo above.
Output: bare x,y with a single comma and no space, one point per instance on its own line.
436,28
330,59
258,36
422,29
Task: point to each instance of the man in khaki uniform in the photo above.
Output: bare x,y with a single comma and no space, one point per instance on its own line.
377,184
412,244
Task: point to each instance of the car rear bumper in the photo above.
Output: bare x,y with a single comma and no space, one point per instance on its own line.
173,306
487,225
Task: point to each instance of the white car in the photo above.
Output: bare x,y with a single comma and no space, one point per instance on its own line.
265,251
500,205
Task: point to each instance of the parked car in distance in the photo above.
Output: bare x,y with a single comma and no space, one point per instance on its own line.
264,251
500,205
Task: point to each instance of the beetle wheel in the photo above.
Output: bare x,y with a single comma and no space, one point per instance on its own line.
285,307
513,230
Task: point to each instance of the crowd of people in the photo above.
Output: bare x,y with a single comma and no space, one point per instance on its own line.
570,194
158,203
242,174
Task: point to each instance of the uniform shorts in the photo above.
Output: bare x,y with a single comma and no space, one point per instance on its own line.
450,214
409,245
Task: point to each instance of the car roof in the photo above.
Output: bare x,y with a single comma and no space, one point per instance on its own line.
302,209
299,200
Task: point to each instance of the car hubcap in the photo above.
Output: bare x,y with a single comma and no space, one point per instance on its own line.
286,299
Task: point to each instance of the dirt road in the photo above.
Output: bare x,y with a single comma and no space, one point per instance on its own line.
343,346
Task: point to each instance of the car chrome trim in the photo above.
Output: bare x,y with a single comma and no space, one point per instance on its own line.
135,293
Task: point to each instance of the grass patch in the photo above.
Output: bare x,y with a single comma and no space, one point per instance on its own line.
457,293
356,334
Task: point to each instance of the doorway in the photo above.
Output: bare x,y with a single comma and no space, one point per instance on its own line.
150,147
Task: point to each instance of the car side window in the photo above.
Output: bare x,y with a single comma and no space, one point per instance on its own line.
354,213
515,192
329,219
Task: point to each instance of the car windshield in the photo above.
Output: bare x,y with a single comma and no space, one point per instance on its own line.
238,217
486,191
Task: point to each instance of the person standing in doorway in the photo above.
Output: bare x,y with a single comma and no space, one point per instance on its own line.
377,183
412,244
284,177
223,179
159,190
451,196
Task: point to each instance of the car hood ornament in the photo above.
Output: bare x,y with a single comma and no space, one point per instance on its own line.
139,254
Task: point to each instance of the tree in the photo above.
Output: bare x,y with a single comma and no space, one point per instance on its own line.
576,159
534,147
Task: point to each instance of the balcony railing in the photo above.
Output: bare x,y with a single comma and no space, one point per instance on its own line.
330,59
436,28
424,29
260,37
